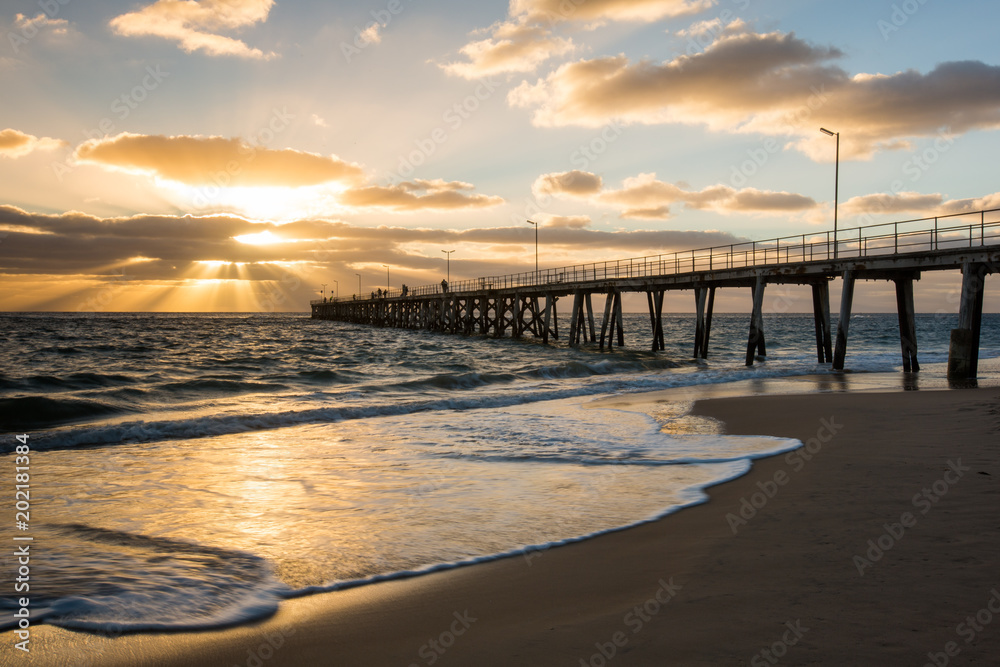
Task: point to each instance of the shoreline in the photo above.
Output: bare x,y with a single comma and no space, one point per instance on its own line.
799,548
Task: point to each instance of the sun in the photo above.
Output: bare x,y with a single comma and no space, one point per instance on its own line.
266,237
275,203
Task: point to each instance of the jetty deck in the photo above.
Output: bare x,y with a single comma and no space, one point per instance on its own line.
526,303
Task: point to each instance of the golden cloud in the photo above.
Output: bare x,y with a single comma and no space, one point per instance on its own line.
772,84
916,203
646,197
195,25
15,144
646,11
514,46
526,39
418,195
198,160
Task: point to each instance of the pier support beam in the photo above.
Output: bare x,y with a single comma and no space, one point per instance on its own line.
963,353
574,320
655,301
755,342
704,301
612,319
590,316
844,323
907,323
821,314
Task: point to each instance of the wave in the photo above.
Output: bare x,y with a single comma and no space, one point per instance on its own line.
69,383
27,413
129,432
221,385
105,580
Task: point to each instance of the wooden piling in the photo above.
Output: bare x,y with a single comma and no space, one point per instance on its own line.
755,341
907,323
963,352
844,323
821,316
708,322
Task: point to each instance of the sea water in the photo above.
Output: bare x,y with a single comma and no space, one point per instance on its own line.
192,470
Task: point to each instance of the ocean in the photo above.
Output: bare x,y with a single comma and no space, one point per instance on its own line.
194,470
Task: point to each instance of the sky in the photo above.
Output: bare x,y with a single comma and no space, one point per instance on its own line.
238,155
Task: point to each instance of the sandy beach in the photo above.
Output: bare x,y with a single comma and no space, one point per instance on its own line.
878,543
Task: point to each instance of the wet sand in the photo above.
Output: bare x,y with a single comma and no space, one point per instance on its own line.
878,543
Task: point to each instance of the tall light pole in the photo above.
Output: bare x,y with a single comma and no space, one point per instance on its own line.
448,253
836,186
324,291
337,285
386,277
359,284
536,248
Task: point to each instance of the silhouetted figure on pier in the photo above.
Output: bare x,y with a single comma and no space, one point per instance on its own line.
444,285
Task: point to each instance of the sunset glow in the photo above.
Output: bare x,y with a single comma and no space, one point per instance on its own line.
261,141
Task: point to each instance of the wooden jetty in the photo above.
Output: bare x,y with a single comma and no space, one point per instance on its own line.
526,303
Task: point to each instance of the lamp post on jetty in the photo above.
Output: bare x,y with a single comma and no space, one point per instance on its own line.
359,284
536,248
337,285
448,253
324,291
386,278
836,185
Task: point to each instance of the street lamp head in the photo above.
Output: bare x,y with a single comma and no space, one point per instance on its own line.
530,222
827,132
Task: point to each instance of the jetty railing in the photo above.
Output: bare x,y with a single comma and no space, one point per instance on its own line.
943,232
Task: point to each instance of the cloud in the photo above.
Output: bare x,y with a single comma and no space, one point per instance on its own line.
527,38
646,197
567,221
371,34
577,183
514,46
195,26
772,84
645,11
15,144
29,26
916,203
198,160
74,243
418,195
